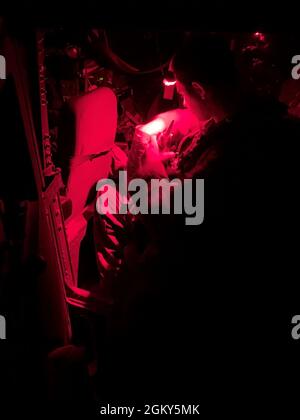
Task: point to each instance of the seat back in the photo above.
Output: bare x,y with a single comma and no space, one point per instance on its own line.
94,118
95,129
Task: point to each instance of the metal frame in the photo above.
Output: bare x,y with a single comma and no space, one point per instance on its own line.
52,296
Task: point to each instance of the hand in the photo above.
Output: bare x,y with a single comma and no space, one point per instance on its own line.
168,156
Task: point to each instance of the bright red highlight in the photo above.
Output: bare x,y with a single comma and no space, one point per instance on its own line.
154,127
169,82
260,36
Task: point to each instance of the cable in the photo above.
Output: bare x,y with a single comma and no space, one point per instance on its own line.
122,65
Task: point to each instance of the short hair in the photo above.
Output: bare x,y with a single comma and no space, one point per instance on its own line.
206,59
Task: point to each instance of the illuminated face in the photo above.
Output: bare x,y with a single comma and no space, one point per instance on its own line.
191,100
194,102
182,92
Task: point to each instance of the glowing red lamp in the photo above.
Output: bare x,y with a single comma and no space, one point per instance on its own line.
169,85
260,36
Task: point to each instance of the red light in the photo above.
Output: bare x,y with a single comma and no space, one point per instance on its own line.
260,36
72,51
154,127
169,82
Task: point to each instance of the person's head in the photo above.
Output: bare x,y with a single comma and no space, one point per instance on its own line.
206,76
